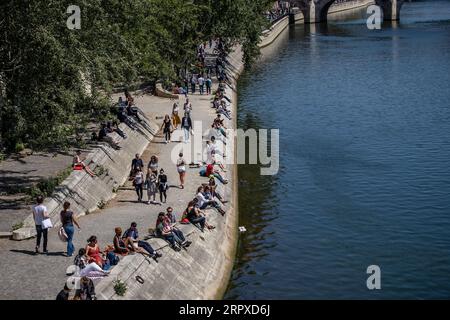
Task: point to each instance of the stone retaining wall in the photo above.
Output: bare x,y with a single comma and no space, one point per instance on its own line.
85,193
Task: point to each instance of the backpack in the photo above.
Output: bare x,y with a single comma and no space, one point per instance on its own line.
113,259
62,235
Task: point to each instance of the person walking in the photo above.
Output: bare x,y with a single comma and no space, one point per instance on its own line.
135,163
153,165
138,183
162,185
186,124
201,84
68,220
175,117
187,107
208,84
151,187
181,168
167,128
193,83
40,214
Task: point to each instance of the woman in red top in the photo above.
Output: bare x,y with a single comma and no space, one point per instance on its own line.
93,251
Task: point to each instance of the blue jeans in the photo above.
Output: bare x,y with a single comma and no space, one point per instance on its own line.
146,246
178,235
186,134
70,230
219,177
201,220
211,203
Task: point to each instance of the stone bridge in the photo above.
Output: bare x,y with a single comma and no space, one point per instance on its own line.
315,11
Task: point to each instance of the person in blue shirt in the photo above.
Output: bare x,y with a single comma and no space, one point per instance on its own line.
140,246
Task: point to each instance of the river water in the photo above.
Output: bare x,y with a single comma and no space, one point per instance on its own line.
364,179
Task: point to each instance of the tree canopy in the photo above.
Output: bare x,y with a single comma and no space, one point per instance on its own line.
44,65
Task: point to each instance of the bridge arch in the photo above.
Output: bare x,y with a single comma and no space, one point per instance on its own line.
315,11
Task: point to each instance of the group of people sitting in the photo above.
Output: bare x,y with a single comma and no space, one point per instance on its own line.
105,130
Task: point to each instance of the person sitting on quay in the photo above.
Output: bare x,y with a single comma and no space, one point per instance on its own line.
210,171
219,126
214,192
94,253
121,245
204,200
63,295
210,194
212,159
78,163
86,268
174,236
170,215
196,216
114,127
131,109
103,135
222,109
86,290
132,236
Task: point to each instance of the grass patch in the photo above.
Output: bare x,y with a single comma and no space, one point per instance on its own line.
45,187
120,287
17,226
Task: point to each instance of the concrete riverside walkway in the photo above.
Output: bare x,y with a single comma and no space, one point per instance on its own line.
25,275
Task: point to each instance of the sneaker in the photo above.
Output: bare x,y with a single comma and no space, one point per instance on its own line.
187,243
176,248
45,251
157,254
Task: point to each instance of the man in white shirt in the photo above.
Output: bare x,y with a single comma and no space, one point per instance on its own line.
201,84
40,214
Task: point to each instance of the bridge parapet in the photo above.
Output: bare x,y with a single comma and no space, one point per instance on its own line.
316,11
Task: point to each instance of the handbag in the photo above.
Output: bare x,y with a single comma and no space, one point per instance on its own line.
62,235
47,223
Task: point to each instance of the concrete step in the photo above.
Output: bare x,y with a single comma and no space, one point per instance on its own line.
5,235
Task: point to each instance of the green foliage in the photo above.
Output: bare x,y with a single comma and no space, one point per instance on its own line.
101,204
17,226
44,66
120,288
19,147
46,186
100,170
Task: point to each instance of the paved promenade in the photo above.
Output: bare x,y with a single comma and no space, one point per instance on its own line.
29,276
